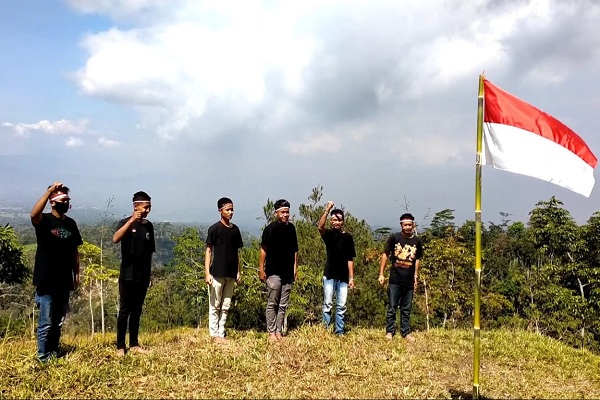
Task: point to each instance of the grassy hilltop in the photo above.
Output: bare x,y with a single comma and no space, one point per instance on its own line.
310,363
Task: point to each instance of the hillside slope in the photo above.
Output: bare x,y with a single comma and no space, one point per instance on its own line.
309,363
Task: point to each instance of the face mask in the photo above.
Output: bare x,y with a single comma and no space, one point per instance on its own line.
61,208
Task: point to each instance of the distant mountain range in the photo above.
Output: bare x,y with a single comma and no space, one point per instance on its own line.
17,215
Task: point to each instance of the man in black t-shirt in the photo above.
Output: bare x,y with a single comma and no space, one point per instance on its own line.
405,250
222,267
136,235
56,270
278,266
339,269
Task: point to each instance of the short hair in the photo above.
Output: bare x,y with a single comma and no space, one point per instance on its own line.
337,211
407,216
141,196
222,201
281,203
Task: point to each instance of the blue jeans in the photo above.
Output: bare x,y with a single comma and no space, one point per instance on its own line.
399,297
341,294
53,309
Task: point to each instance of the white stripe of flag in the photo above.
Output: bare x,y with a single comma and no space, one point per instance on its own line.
522,139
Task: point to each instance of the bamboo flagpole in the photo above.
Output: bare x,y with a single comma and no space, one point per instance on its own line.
478,165
522,139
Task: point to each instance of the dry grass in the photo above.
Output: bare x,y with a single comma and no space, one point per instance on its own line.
310,363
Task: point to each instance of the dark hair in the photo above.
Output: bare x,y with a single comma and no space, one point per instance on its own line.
222,201
337,211
407,216
281,203
62,189
141,196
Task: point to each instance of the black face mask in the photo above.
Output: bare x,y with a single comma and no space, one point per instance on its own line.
61,208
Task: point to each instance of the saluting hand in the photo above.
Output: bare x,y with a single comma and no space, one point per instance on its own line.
136,216
56,185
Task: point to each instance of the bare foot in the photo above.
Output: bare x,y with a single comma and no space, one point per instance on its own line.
389,336
272,337
120,352
409,338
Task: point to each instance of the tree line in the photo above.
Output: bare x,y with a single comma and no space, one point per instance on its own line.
543,276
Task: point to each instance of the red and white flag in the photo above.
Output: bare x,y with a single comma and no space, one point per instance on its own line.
525,140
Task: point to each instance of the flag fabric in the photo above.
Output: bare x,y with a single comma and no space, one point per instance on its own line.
525,140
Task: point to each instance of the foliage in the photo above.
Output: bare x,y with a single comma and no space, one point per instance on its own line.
13,287
249,296
188,262
442,223
12,262
446,270
93,276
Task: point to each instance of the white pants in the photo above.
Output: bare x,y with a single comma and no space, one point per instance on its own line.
219,298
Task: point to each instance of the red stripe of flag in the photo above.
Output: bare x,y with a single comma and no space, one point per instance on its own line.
503,108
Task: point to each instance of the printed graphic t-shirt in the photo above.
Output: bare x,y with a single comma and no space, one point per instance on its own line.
403,252
56,254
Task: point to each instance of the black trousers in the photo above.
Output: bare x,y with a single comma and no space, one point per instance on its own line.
131,300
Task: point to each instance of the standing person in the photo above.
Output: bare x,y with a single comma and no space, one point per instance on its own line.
136,235
405,250
278,266
339,269
222,267
56,270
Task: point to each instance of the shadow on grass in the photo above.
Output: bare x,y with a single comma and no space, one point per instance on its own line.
459,394
65,349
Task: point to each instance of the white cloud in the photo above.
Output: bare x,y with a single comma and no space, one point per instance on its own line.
208,61
74,142
330,141
108,142
304,83
182,67
433,150
314,144
62,126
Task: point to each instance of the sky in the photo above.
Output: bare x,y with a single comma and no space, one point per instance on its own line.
375,101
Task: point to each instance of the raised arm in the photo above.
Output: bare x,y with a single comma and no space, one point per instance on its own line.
120,233
38,208
323,218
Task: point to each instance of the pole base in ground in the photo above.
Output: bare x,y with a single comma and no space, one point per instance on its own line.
475,392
